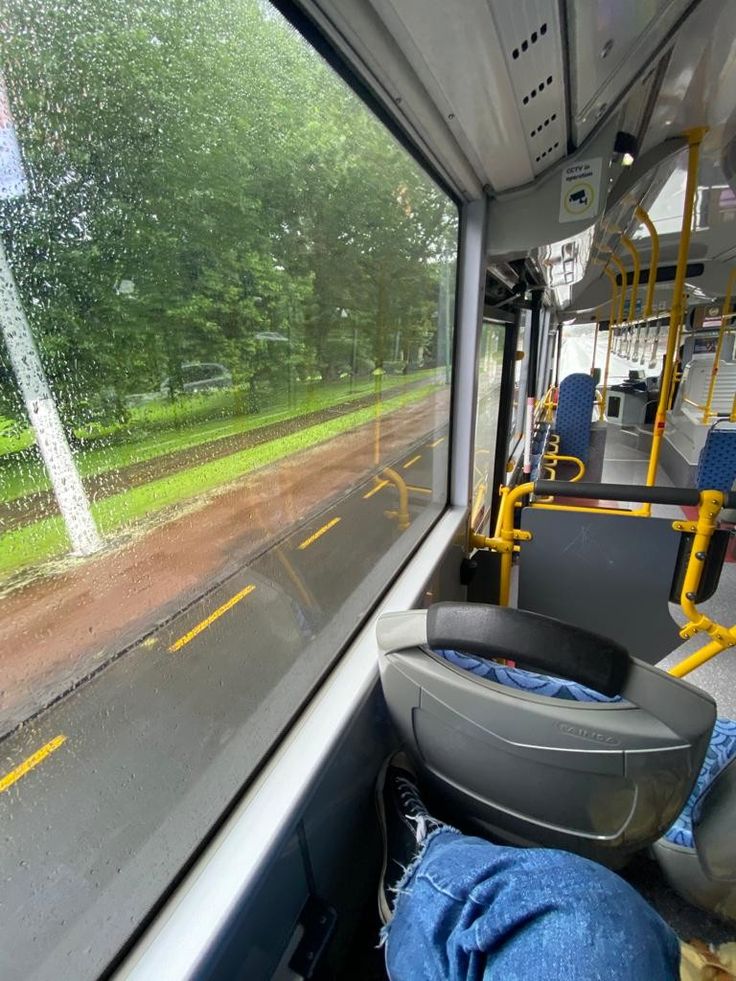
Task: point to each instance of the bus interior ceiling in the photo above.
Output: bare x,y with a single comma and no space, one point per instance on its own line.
522,392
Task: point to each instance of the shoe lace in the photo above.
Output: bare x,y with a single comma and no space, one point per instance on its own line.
414,808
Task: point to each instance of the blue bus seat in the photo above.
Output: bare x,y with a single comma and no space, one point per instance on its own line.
698,853
574,415
717,462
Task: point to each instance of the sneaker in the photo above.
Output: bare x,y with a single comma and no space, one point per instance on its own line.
405,824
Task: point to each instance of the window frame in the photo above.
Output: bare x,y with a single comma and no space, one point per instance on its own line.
327,708
194,916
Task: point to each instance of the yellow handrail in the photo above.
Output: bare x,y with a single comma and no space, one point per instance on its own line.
561,457
711,502
599,404
400,484
643,217
634,252
722,637
595,344
614,295
505,536
695,138
624,283
611,321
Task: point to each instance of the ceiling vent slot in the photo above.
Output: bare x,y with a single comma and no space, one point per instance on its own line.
537,90
528,42
548,152
531,37
543,125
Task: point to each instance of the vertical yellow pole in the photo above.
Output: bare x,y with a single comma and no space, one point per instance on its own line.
634,252
595,343
622,296
377,421
611,322
644,218
733,410
694,137
725,321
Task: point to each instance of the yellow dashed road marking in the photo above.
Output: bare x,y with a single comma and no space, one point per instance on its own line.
318,534
410,463
203,624
20,771
379,486
436,443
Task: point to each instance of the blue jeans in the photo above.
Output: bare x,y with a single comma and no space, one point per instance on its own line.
467,909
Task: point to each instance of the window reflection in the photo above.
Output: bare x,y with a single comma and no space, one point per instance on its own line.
490,363
239,291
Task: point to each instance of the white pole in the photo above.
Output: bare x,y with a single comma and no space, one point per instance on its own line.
528,428
44,417
29,373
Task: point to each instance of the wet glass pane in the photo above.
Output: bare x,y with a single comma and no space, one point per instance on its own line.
636,350
226,306
490,364
521,372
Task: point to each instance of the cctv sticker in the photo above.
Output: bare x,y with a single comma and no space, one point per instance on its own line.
580,191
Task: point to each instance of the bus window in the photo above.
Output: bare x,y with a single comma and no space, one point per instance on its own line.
226,305
521,371
489,368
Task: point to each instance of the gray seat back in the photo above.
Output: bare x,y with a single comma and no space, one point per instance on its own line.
713,826
601,779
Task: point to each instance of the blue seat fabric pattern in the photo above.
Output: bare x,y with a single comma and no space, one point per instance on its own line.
721,751
717,462
528,681
574,415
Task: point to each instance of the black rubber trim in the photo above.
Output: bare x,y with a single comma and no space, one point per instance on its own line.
665,274
688,496
534,641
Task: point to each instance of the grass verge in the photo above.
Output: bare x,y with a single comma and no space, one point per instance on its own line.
46,539
17,480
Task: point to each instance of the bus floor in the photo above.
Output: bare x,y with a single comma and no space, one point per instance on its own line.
626,463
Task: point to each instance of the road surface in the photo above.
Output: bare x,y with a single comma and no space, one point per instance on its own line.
106,794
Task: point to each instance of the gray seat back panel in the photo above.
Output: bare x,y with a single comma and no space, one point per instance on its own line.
605,573
603,779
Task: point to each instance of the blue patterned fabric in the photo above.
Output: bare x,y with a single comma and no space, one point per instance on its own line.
574,415
721,751
529,681
717,462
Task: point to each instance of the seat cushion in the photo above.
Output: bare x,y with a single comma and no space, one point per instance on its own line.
529,681
721,751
